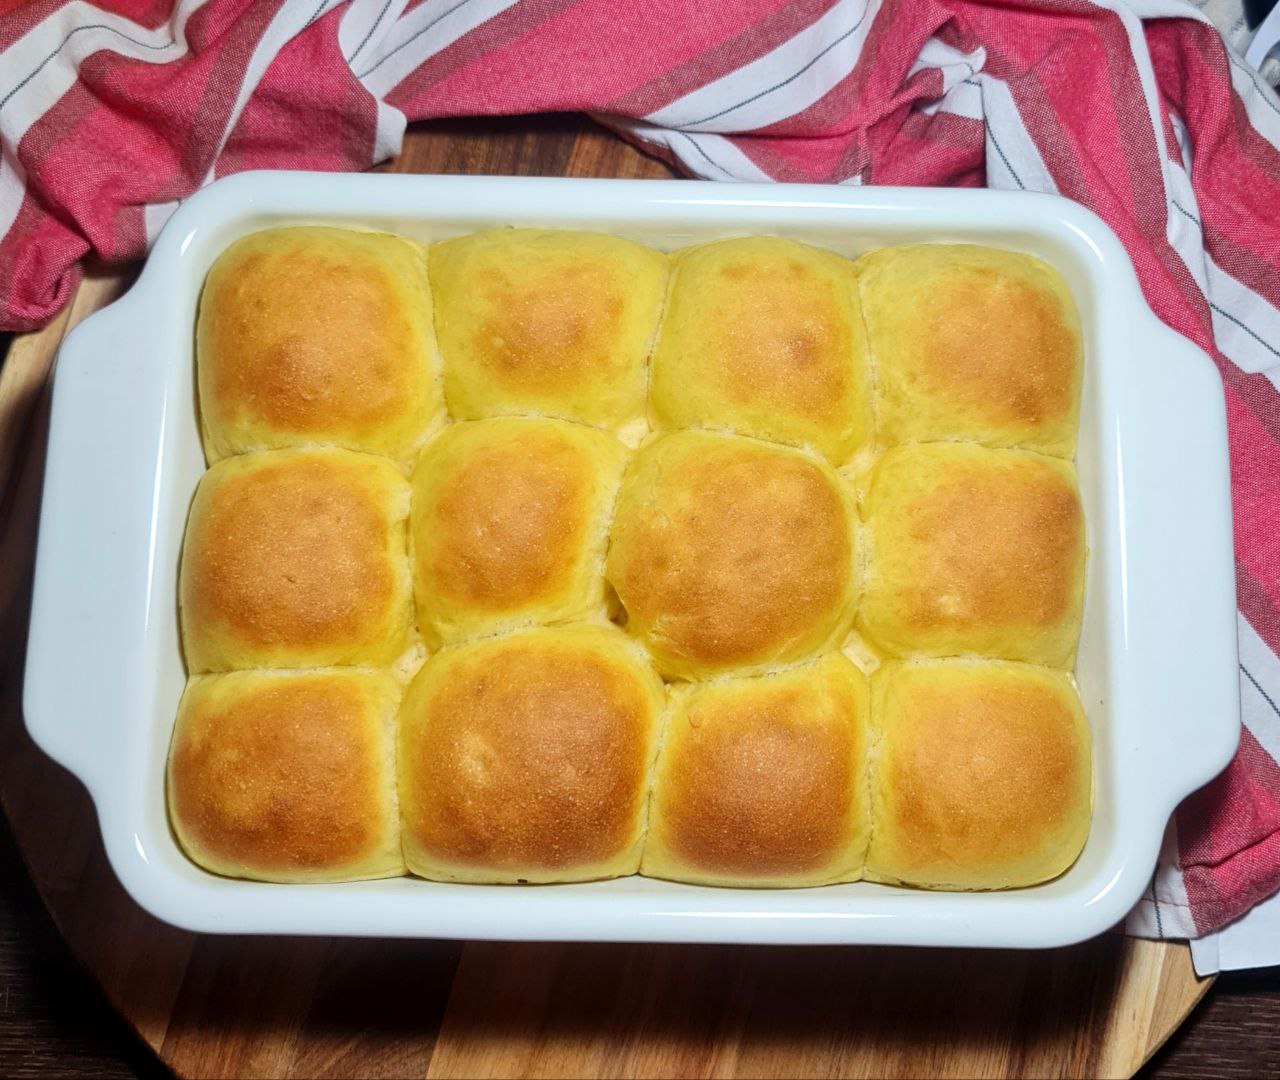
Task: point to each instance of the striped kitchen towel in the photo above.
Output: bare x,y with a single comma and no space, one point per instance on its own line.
112,113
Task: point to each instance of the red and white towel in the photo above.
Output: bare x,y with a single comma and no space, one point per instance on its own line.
111,113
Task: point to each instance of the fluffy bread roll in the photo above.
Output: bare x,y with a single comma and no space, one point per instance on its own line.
296,558
317,336
543,321
509,523
526,758
973,551
972,343
731,554
287,777
982,775
763,336
761,781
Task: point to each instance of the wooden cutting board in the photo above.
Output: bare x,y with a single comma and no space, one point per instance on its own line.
240,1006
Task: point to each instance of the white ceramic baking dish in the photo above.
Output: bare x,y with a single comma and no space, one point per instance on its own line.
1157,663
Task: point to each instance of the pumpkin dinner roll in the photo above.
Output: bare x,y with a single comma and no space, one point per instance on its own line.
296,558
509,523
763,336
287,777
731,554
761,781
973,551
972,343
982,775
526,758
318,336
544,321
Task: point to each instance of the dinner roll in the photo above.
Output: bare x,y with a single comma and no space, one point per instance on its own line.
763,336
287,777
728,553
526,758
982,777
509,524
317,335
761,782
296,558
538,321
973,551
972,343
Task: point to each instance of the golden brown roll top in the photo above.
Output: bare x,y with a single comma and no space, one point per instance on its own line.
973,551
509,524
763,336
287,777
527,757
729,553
972,343
982,775
317,336
296,558
543,321
761,781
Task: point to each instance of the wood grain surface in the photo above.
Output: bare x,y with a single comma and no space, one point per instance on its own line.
234,1006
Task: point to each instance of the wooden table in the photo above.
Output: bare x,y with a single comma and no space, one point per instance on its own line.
309,1007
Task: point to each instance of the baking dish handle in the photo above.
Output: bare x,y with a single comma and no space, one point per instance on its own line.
1178,564
95,554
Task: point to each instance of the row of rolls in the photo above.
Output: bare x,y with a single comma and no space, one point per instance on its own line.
637,512
557,754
